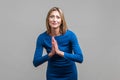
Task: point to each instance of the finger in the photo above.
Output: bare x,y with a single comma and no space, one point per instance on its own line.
55,41
52,39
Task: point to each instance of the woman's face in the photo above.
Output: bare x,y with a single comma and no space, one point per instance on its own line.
54,19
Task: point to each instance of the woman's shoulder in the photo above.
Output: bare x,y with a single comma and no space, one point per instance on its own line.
42,35
70,32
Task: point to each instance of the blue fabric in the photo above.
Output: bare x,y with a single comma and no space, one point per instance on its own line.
59,68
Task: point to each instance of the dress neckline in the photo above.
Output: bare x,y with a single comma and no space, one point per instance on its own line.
59,36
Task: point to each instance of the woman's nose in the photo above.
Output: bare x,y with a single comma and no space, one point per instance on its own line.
55,19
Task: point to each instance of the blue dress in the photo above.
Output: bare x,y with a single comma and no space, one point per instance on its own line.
59,68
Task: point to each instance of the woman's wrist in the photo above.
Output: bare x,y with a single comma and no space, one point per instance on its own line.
61,53
50,54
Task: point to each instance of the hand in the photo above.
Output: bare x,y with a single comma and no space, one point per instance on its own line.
56,49
53,49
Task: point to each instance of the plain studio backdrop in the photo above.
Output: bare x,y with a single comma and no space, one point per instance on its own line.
95,22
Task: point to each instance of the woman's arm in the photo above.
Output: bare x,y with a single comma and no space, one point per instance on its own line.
38,58
77,56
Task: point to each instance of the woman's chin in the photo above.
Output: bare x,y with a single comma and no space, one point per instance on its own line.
55,27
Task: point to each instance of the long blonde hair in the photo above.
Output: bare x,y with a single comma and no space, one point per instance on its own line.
63,26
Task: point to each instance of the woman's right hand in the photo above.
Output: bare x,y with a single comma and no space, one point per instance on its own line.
53,49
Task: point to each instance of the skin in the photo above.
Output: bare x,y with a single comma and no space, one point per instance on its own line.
55,22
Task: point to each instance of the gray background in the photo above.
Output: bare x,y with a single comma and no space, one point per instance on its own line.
95,22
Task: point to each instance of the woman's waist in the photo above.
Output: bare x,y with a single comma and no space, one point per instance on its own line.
61,68
60,62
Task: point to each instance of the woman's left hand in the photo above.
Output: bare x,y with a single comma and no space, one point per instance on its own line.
61,53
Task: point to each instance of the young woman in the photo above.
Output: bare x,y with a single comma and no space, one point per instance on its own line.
62,48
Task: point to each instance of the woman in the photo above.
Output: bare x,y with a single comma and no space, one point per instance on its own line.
62,48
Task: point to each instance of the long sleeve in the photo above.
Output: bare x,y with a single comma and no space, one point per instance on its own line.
38,58
77,56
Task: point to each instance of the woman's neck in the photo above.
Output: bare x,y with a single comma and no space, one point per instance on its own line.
55,32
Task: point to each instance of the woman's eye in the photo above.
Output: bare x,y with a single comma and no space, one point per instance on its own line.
51,16
58,17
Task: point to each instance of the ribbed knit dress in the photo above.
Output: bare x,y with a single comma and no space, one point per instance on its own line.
59,68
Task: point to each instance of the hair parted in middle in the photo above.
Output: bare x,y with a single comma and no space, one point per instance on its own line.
63,26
